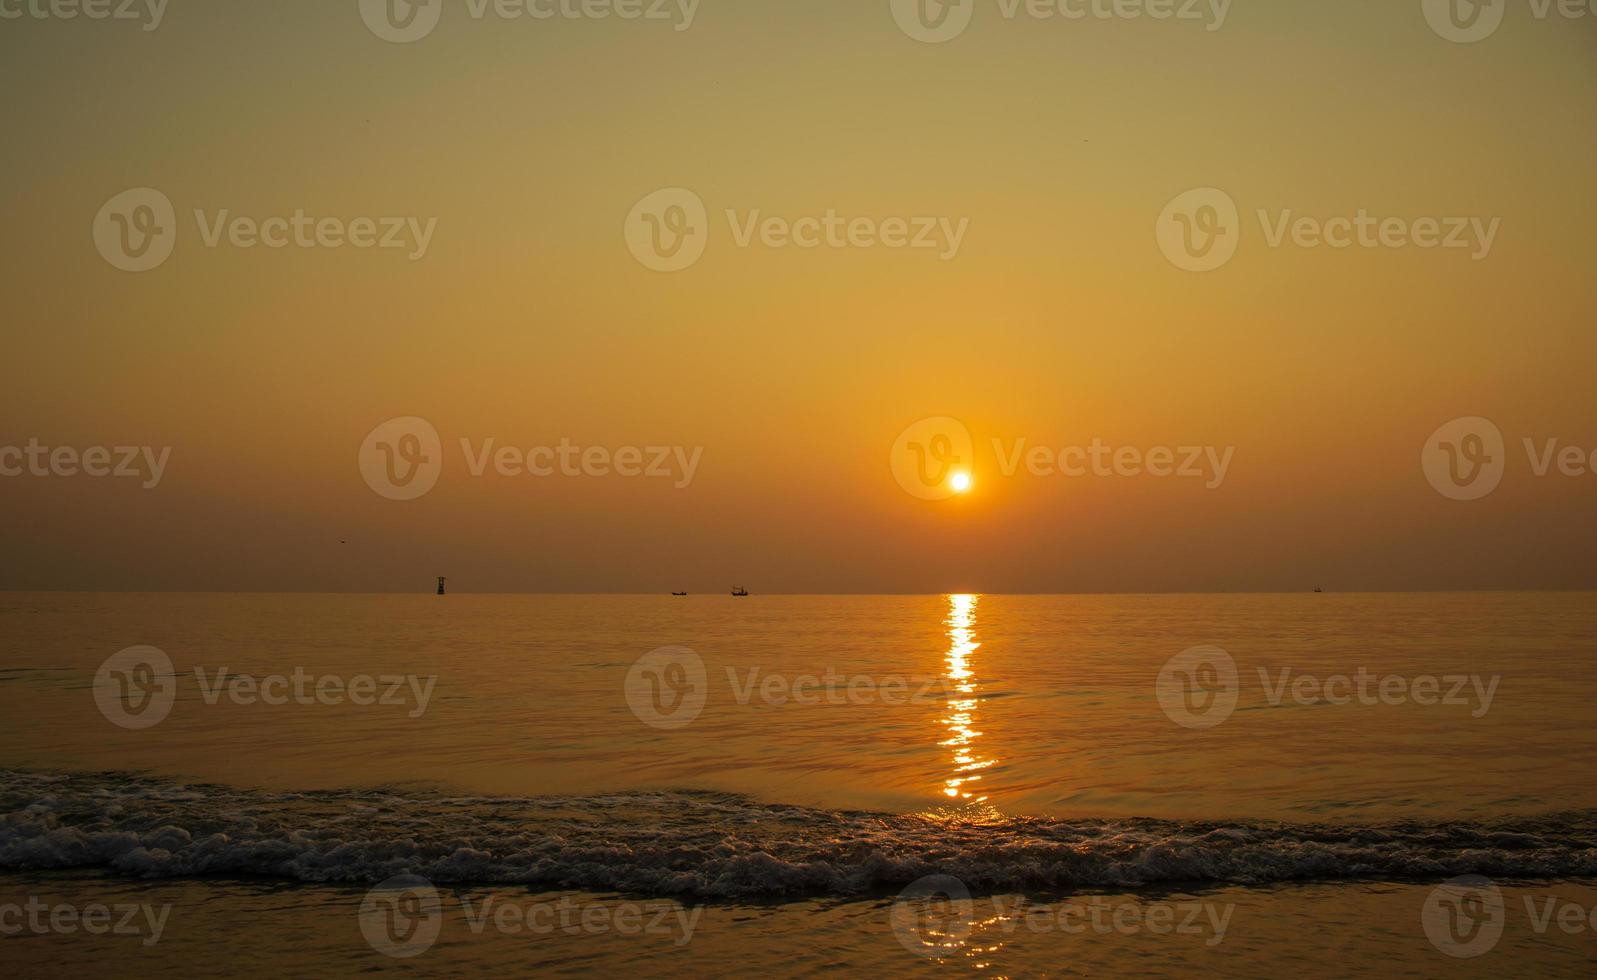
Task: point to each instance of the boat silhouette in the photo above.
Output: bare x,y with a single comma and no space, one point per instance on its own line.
679,593
740,591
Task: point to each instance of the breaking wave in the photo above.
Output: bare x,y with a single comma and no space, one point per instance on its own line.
714,845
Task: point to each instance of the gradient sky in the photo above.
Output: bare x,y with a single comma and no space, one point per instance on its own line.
528,321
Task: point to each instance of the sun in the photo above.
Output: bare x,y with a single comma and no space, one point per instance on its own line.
960,482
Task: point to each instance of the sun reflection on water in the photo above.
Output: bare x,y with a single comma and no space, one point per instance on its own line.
958,931
960,716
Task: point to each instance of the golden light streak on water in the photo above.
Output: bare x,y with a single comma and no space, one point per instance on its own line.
962,704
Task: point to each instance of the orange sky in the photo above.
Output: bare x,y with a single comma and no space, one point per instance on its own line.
1058,320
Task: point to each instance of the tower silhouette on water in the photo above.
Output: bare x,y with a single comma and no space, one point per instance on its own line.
440,585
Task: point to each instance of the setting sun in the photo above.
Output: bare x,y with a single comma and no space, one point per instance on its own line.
960,482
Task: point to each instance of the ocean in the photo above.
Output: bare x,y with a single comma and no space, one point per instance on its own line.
907,785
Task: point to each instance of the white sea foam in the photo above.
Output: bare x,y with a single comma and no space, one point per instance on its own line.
714,845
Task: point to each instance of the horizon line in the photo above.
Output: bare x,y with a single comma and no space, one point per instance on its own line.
668,593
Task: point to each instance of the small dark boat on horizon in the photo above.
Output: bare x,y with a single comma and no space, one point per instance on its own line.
679,593
740,591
